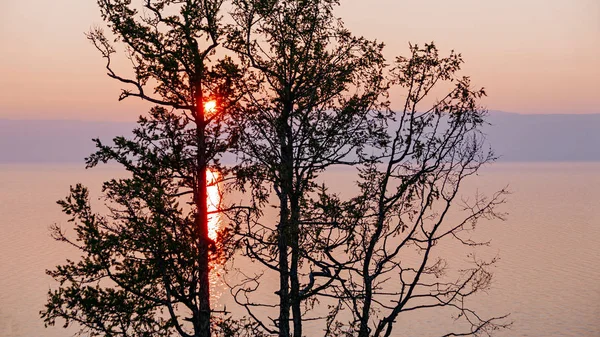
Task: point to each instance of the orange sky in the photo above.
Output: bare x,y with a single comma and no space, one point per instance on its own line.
533,56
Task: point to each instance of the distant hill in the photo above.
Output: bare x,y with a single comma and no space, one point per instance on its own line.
524,138
54,141
515,137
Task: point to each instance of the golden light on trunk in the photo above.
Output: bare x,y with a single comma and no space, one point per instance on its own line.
213,202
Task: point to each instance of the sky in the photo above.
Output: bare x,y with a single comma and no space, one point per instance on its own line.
532,56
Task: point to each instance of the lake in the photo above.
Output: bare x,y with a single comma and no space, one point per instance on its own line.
548,276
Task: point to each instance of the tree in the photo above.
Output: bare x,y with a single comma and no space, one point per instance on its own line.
382,243
314,105
145,267
307,97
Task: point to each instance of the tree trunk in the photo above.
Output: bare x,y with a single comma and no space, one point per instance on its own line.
203,319
282,244
367,279
204,287
284,230
295,283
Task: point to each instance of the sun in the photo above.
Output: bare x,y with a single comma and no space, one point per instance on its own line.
210,107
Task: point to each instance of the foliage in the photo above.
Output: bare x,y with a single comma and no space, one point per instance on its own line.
303,95
139,274
316,94
151,257
383,245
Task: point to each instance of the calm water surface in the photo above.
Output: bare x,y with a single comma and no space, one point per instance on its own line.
548,276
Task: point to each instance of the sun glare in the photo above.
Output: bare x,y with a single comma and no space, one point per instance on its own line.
210,107
213,202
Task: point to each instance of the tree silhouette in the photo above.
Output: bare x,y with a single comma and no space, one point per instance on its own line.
314,104
155,253
382,245
305,96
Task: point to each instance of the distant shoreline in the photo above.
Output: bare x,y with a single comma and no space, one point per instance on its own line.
514,137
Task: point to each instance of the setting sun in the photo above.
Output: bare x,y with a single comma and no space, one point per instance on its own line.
210,107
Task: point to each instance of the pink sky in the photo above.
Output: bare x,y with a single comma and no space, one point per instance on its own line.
533,56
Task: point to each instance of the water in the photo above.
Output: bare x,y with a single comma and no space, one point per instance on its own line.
548,276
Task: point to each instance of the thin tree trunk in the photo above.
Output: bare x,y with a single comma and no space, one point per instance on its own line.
203,322
367,279
285,223
284,300
204,288
295,283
